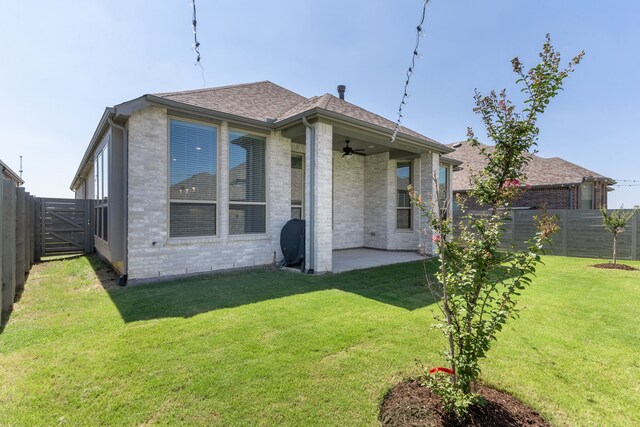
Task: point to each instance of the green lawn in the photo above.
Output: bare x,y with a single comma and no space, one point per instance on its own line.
276,348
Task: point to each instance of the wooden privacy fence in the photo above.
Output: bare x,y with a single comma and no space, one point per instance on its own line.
65,226
581,234
18,223
32,228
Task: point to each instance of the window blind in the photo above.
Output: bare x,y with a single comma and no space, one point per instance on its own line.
247,183
193,179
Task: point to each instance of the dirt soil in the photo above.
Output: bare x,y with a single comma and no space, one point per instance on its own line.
615,266
409,404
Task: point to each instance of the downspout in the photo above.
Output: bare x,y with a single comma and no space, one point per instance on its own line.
312,191
125,184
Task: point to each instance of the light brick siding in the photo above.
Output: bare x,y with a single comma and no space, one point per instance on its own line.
348,201
375,201
148,207
355,203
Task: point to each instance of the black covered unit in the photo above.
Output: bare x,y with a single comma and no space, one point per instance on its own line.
292,242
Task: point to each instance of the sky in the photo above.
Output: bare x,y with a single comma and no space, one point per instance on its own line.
63,62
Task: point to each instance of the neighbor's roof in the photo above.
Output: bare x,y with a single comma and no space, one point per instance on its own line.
267,102
9,173
540,172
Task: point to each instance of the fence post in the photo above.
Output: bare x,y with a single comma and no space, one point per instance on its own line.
8,244
634,237
43,207
36,230
564,220
27,232
513,227
19,239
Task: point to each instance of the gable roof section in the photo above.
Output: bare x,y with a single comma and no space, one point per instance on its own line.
541,172
336,105
260,101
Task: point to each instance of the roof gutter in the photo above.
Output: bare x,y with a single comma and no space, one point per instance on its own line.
403,138
312,194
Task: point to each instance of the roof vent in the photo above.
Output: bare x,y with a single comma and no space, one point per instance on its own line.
457,145
341,89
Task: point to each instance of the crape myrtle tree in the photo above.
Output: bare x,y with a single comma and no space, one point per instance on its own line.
477,284
615,222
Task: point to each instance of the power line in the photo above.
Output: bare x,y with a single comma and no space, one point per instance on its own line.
416,54
196,45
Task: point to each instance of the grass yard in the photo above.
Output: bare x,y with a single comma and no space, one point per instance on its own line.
276,348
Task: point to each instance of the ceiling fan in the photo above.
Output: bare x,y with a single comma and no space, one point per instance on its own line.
348,151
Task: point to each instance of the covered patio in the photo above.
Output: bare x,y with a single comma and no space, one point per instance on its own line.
359,258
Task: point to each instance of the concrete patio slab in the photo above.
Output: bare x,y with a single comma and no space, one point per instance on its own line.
356,259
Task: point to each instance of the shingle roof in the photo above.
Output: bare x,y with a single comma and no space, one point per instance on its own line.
258,101
266,100
540,171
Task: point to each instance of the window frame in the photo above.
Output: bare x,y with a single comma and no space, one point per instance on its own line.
101,203
230,202
593,194
301,205
215,203
398,190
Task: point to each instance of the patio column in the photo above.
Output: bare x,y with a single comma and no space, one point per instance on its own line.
319,154
429,164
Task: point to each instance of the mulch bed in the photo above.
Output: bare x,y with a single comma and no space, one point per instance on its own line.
615,266
409,404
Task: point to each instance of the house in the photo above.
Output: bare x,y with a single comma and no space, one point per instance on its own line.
553,182
204,180
9,174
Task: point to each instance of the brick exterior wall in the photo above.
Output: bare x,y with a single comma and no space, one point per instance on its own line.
355,204
151,252
348,201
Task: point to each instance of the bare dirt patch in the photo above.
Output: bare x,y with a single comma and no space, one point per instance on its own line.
615,266
409,404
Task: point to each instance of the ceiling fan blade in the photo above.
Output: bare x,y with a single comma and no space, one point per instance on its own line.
358,149
358,153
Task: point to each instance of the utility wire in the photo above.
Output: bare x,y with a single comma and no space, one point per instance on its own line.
416,54
196,45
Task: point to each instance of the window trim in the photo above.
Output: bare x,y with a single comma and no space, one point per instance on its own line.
301,206
398,208
216,203
593,194
100,204
266,203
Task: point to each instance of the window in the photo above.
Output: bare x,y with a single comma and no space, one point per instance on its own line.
297,186
101,179
443,190
403,179
193,179
247,203
586,195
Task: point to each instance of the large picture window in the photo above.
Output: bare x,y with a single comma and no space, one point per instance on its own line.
193,179
247,176
403,179
101,180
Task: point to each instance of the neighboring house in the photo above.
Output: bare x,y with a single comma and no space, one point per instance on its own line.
204,180
554,182
8,173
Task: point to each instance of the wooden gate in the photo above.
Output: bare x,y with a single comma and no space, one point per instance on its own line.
65,226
